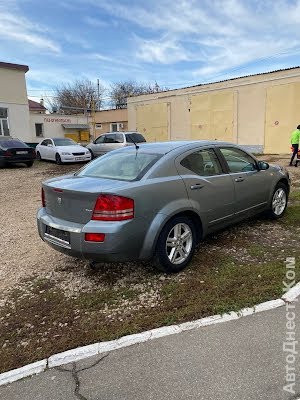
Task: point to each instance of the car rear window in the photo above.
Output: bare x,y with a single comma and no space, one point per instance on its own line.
9,144
136,137
127,166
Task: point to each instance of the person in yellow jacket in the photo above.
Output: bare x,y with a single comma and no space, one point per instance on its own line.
295,137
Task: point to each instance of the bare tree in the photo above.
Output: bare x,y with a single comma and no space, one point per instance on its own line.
119,91
72,98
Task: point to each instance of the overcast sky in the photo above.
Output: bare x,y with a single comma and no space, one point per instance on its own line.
174,42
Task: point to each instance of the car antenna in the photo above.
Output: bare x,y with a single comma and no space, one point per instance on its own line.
136,146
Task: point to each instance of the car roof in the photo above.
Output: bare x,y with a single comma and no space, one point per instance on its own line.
166,147
53,138
122,132
7,138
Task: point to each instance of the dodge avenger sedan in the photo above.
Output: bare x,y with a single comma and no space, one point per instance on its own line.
157,201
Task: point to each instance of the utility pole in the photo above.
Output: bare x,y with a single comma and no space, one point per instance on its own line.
98,94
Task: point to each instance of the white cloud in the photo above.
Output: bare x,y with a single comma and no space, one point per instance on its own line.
14,27
218,35
95,22
164,51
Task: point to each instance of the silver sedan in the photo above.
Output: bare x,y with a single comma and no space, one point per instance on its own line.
157,201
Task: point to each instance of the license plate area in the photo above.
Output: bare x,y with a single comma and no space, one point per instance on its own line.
79,158
57,234
21,152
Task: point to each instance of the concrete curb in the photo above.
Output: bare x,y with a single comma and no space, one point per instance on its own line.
81,353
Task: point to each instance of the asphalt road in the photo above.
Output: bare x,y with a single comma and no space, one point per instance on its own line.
237,360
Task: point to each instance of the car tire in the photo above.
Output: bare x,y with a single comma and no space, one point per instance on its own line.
38,156
278,202
29,164
92,154
58,159
180,233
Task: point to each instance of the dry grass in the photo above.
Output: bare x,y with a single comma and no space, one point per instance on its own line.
51,302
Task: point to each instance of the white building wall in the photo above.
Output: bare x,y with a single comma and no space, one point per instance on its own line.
18,120
13,96
52,124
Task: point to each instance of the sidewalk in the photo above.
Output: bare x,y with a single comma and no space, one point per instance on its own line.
237,360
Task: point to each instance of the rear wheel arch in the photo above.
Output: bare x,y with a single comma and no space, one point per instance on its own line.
188,221
193,216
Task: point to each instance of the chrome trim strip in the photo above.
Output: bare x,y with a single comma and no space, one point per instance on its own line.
57,241
251,208
221,219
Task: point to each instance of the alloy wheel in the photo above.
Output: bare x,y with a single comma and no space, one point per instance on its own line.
179,243
279,201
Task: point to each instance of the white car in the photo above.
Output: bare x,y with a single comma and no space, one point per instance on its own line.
61,150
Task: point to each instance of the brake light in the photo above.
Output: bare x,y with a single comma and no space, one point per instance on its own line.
43,198
8,153
94,237
113,208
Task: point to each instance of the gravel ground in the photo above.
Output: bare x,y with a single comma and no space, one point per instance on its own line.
24,254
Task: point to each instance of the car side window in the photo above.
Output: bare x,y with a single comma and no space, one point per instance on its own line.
43,143
119,138
100,139
46,142
203,163
238,160
111,138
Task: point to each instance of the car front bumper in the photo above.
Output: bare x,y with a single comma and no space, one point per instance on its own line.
123,240
71,158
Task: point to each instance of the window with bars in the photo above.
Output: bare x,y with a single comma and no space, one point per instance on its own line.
4,127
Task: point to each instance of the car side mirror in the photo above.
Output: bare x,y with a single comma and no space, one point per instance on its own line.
262,165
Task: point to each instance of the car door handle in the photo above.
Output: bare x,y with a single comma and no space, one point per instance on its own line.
197,186
239,179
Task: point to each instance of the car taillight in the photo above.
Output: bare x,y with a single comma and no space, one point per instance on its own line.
8,153
94,237
113,208
43,198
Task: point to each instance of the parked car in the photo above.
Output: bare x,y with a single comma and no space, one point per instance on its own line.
157,202
61,150
14,151
114,140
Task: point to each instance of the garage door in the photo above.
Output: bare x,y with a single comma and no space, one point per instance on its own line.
282,116
152,121
212,116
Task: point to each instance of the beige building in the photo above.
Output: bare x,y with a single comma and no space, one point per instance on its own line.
109,121
256,111
80,127
14,114
42,124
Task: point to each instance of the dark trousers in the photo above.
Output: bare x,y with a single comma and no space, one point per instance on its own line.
295,152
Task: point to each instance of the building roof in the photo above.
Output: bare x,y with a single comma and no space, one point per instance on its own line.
224,80
76,126
35,106
19,67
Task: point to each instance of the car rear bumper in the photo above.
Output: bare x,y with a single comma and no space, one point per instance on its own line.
123,240
17,159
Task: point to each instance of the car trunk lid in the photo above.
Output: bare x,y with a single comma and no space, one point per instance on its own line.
74,198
